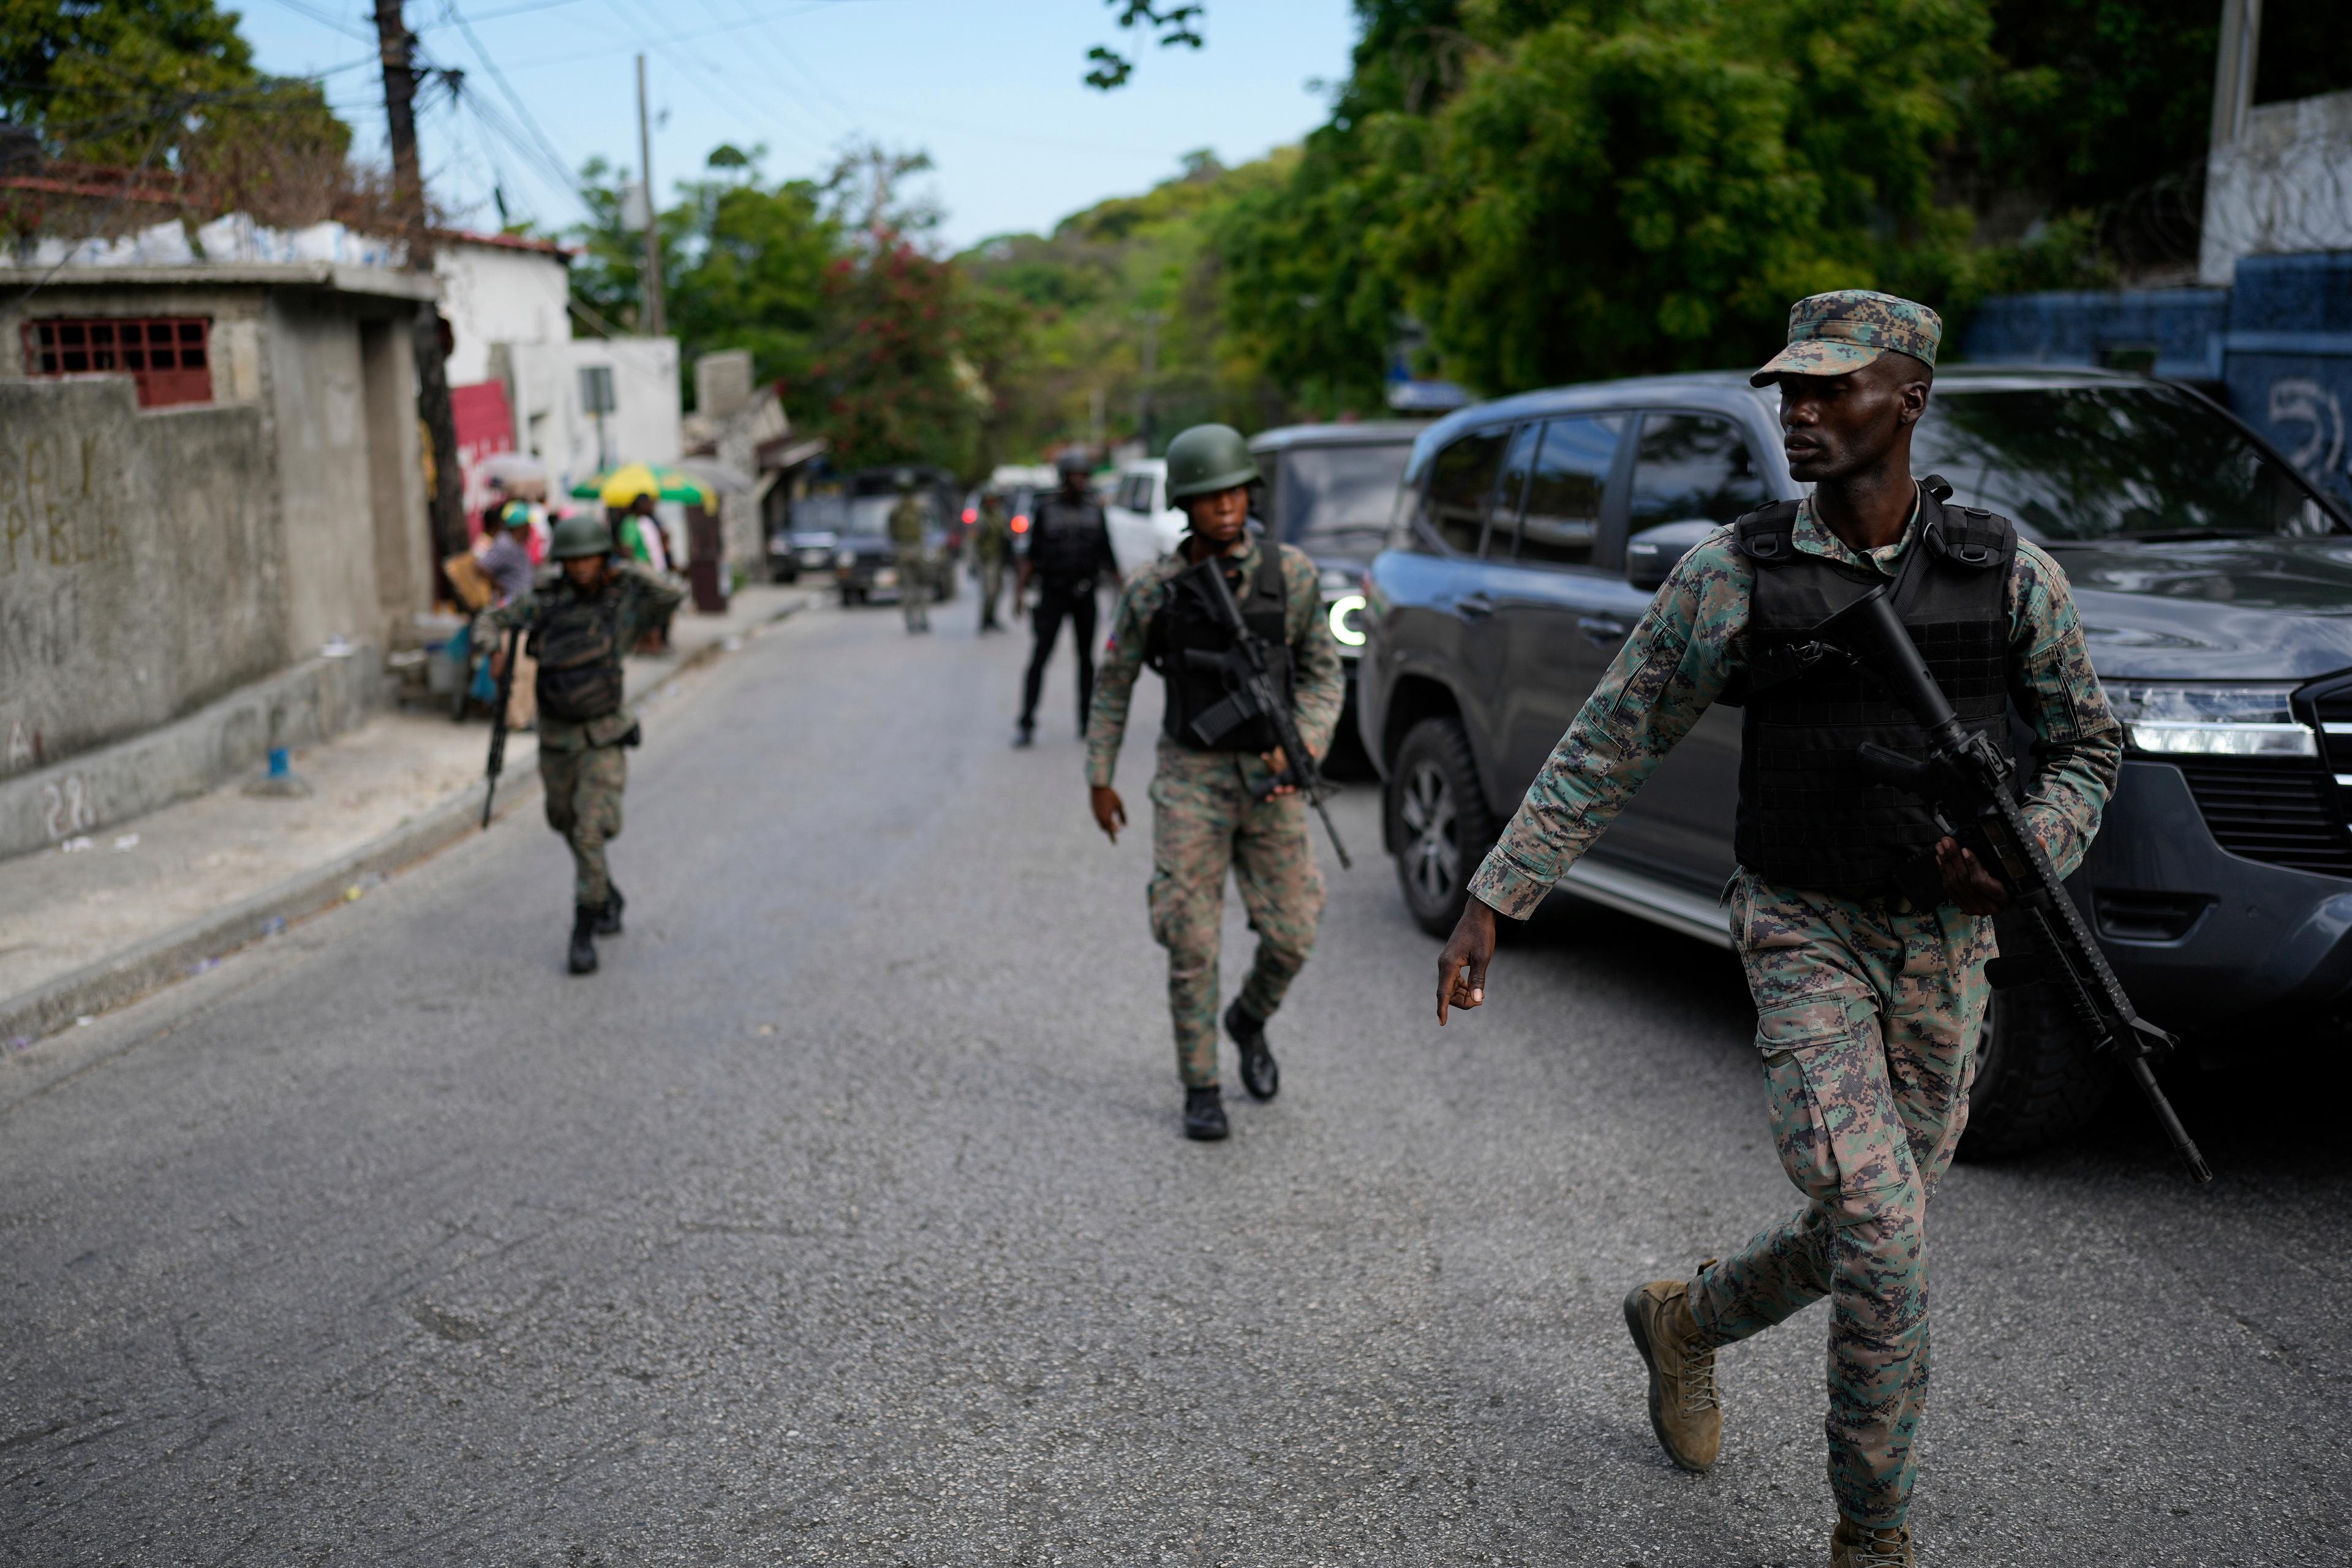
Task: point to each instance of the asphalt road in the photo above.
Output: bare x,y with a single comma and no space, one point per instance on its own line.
844,1218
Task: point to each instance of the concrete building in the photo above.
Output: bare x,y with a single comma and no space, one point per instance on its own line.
212,502
578,404
735,425
498,289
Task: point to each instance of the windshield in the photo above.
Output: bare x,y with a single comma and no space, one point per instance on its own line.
871,515
817,514
1339,498
2088,463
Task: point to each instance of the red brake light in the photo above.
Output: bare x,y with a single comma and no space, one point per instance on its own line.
971,514
1021,523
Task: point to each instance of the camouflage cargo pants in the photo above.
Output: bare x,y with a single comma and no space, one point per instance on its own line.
1868,1024
583,804
914,588
1204,823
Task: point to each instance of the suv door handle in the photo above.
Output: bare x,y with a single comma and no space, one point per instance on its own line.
1474,606
1602,630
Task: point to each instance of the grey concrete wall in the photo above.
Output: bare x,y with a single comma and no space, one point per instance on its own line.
141,571
318,400
403,543
96,791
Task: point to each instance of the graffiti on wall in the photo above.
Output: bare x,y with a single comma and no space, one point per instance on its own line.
59,503
2302,405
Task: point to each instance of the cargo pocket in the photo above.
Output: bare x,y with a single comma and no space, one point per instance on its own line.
1832,1116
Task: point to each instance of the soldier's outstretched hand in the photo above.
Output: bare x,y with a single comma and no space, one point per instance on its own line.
1462,967
1110,811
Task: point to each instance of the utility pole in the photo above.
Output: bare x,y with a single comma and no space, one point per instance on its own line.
653,277
1143,410
446,503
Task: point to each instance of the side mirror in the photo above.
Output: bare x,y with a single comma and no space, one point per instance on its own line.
1652,554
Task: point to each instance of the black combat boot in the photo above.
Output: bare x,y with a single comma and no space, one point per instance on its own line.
608,919
584,937
1260,1076
1027,735
1204,1114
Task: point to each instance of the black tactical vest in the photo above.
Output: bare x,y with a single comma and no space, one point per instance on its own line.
1070,544
1184,621
577,641
1807,816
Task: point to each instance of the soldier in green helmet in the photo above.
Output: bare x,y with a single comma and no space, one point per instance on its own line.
1863,930
1222,801
578,620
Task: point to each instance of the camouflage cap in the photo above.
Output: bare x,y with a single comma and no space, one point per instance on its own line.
1830,335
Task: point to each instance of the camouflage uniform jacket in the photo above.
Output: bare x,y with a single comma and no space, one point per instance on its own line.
1694,639
1318,684
907,520
992,537
645,596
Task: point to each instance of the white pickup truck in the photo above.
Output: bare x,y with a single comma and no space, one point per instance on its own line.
1143,526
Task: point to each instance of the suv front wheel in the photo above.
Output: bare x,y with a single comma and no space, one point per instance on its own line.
1438,821
2037,1078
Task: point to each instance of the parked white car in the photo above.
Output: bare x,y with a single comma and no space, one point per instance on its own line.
1143,526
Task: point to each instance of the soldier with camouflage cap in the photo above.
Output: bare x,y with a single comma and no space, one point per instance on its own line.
1868,1003
1220,804
579,619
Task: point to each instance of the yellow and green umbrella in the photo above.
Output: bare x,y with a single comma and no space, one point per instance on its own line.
619,487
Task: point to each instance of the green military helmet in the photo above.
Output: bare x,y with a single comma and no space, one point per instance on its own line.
1208,459
584,534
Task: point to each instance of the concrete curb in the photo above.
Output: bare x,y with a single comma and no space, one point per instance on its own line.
171,955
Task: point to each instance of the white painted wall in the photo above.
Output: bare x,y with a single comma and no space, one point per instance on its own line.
2283,186
543,385
495,294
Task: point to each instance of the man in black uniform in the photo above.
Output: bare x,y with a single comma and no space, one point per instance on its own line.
1069,552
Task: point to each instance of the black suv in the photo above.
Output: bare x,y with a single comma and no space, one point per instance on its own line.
2215,588
862,553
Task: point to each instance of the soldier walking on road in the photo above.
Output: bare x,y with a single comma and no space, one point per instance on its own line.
578,622
1868,1004
911,521
992,547
1069,552
1222,807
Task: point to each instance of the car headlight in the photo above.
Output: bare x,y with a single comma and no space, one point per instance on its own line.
2212,721
1347,613
845,561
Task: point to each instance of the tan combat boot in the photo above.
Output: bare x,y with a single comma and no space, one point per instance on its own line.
1856,1546
1683,1411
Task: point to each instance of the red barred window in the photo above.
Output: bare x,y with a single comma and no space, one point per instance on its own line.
167,356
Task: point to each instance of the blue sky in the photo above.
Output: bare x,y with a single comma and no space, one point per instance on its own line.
991,89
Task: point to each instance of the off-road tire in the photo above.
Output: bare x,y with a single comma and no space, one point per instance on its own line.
2037,1078
1437,818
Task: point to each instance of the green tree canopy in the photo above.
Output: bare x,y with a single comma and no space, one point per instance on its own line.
169,87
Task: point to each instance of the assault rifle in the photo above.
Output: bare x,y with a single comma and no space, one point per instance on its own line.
1251,694
498,722
1965,780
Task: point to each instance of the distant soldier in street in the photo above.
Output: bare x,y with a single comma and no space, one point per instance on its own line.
1221,806
910,521
1862,930
992,549
1069,554
578,622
